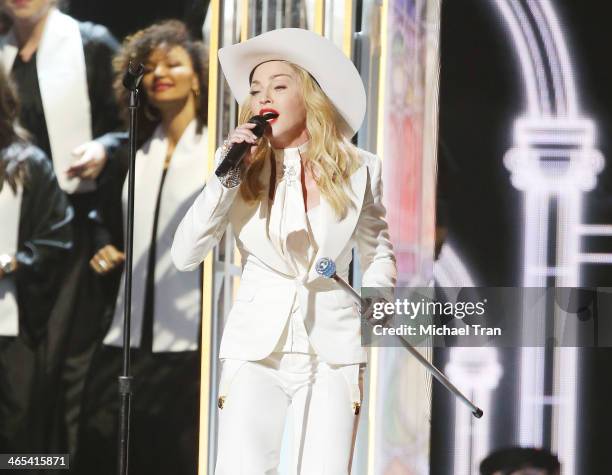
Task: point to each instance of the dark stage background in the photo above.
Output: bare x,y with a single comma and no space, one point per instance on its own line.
480,97
123,17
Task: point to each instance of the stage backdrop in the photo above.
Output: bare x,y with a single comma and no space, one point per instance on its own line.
407,134
525,144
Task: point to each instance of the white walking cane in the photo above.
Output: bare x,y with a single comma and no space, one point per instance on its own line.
325,267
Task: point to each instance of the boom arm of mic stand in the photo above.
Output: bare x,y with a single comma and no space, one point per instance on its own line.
328,269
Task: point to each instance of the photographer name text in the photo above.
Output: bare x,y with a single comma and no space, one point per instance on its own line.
436,330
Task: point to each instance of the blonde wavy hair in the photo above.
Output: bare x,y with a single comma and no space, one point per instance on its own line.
330,157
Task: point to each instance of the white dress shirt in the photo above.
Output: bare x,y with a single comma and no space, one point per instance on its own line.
294,234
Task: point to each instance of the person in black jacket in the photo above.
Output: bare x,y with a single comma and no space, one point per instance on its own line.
63,72
36,237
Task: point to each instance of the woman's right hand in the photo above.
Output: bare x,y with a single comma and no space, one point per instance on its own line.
243,133
91,159
107,259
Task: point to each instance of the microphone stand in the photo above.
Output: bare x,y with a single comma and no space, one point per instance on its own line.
325,267
131,81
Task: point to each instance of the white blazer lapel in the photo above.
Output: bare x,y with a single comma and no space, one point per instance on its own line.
337,233
10,211
8,51
148,170
178,294
62,78
250,226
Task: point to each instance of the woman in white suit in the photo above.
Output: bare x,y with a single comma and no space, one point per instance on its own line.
292,341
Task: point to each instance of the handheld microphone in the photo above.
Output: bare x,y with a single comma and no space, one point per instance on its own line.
133,76
238,150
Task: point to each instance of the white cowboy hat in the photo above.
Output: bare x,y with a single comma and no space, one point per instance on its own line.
333,70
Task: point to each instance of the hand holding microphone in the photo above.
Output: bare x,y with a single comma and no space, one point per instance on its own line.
242,142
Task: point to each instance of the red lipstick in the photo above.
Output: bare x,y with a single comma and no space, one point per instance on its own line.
269,111
161,86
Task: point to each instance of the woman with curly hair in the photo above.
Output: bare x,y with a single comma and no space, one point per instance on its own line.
166,304
304,191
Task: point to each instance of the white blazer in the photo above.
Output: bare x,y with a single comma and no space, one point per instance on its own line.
178,303
268,288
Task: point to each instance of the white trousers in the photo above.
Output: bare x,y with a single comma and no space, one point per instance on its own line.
256,396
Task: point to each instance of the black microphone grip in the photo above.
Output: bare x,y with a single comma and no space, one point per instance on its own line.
237,151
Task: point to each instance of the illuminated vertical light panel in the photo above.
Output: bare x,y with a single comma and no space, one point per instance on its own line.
553,162
208,267
220,269
407,113
244,20
319,17
374,352
348,28
430,140
476,372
